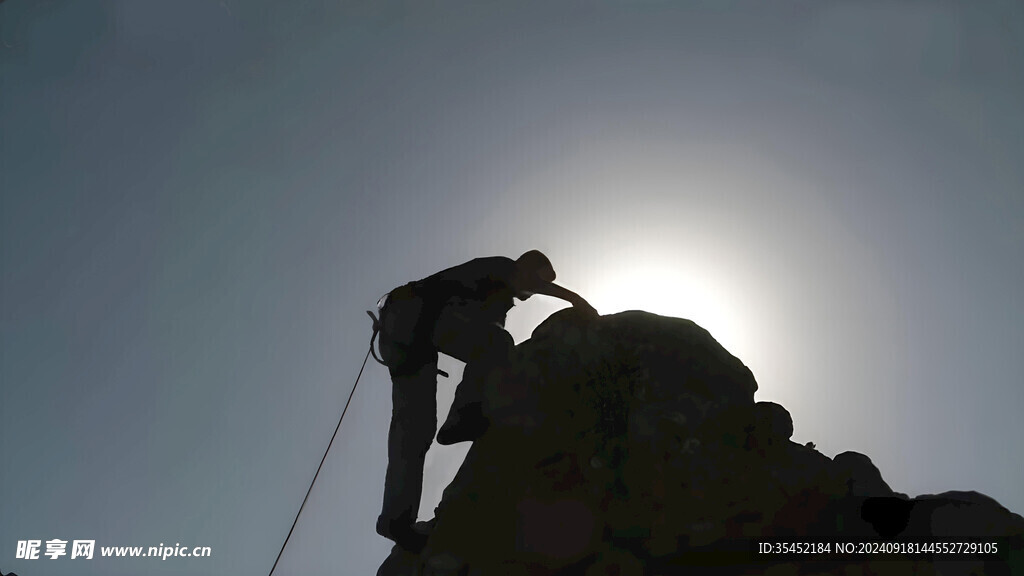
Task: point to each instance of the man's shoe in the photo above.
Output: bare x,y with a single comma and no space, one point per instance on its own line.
463,425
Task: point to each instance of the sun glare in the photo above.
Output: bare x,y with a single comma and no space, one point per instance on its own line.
669,291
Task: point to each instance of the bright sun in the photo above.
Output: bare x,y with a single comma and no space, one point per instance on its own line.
669,291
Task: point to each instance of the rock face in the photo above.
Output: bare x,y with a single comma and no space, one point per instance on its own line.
631,444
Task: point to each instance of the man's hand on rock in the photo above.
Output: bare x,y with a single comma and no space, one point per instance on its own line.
585,307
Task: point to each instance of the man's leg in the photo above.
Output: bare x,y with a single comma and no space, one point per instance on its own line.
483,347
413,368
413,421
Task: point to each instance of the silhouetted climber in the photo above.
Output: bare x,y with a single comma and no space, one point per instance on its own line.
461,312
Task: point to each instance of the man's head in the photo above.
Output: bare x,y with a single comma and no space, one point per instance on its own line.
532,269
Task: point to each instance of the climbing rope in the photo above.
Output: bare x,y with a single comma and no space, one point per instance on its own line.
376,329
329,444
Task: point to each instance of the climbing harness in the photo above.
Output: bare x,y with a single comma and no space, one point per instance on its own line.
376,330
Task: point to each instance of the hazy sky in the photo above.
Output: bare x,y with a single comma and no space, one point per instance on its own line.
200,199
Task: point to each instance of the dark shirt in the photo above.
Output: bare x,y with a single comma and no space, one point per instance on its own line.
482,289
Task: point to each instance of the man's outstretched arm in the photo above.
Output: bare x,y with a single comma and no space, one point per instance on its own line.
552,289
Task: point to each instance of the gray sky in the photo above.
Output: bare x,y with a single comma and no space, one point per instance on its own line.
200,199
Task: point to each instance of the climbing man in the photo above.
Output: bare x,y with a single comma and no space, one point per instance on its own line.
461,312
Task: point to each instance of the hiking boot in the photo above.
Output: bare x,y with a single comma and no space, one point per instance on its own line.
464,424
403,533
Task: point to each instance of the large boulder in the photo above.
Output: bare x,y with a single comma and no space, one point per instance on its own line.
632,444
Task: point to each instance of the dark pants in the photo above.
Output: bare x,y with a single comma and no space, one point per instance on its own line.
409,344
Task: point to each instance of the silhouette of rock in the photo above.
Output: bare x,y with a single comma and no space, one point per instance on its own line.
863,477
631,444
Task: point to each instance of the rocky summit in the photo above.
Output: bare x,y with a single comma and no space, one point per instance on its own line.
631,444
